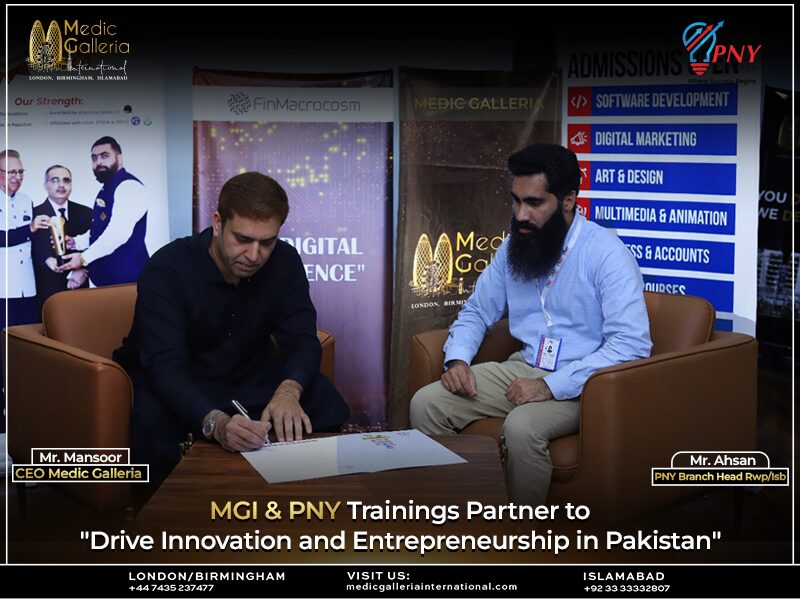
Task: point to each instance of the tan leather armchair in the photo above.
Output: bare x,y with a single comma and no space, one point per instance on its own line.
697,391
64,391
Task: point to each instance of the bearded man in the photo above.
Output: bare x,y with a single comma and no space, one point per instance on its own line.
574,297
116,249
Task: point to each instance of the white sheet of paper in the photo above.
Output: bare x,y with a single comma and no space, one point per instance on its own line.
353,453
294,461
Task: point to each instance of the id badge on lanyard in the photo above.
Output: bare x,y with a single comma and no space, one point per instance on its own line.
547,353
550,347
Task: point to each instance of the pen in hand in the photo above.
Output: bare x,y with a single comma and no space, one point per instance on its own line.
243,411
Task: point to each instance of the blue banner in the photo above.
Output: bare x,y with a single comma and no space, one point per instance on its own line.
716,140
675,178
683,255
719,293
723,325
656,100
699,217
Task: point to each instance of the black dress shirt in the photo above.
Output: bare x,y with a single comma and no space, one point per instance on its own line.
198,341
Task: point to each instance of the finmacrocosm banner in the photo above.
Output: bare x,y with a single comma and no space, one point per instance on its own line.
327,140
457,130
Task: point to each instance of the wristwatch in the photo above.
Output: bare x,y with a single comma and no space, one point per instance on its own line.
208,424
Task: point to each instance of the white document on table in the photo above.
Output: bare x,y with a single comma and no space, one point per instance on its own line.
295,461
344,454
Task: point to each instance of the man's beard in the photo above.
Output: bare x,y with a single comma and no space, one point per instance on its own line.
534,254
103,176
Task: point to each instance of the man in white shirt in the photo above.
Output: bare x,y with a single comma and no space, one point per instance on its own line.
574,297
17,225
116,251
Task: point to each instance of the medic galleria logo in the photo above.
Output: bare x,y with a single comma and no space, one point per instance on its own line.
62,46
441,270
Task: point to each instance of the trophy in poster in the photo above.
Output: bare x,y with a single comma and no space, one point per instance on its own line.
58,237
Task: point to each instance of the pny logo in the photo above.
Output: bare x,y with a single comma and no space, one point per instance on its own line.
700,40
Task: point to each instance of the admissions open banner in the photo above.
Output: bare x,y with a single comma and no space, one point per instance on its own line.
457,130
327,140
670,163
56,122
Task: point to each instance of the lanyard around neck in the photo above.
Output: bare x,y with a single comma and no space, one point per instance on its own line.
551,278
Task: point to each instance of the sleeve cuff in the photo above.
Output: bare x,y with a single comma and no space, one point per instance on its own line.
457,354
304,378
559,385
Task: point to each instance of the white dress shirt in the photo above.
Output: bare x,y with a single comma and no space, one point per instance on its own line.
130,205
595,305
17,211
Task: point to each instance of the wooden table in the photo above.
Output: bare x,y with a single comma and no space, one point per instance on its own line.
183,503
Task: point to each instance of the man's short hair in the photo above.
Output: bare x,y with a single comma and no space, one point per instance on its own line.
9,154
558,164
253,196
50,168
107,139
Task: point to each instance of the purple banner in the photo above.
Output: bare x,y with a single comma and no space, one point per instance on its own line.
338,178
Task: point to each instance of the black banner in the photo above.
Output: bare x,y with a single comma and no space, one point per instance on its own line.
464,581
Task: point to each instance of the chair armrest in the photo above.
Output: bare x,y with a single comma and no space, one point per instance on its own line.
426,358
326,364
62,397
636,415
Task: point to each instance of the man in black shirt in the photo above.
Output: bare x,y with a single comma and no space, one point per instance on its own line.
206,308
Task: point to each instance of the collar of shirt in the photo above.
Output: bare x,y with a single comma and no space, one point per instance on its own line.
56,208
19,202
573,229
208,267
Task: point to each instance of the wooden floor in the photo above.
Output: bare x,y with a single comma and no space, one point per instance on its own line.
51,531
